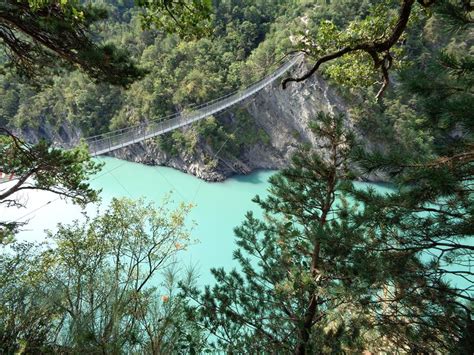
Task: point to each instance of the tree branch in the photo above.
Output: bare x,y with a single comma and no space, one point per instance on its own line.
378,50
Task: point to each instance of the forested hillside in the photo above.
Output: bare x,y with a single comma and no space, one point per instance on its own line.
328,265
249,39
180,72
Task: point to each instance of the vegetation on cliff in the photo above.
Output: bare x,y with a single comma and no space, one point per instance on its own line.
330,268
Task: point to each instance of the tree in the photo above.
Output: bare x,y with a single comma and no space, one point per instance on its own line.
35,33
311,280
378,39
26,315
106,285
431,213
41,167
188,18
105,271
287,261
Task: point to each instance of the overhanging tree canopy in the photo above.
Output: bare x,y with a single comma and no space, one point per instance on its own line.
35,33
374,39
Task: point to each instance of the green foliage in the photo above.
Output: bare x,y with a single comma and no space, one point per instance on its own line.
173,82
430,212
25,312
330,34
329,268
214,134
106,285
183,142
314,276
111,261
432,208
258,310
248,134
41,167
188,18
36,33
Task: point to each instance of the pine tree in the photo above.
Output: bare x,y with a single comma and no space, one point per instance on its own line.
313,278
430,216
42,167
292,262
431,212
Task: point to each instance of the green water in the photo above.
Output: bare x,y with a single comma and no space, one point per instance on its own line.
219,207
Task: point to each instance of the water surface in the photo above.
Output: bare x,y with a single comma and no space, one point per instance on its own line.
219,207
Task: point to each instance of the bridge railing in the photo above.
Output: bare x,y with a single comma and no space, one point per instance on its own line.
130,135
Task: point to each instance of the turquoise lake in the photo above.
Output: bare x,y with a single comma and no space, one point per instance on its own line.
219,207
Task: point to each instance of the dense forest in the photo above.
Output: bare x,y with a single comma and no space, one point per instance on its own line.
180,72
249,39
329,268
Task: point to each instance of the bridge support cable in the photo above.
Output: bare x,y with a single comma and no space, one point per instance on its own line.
124,137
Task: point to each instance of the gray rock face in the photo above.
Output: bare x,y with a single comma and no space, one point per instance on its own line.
284,115
66,135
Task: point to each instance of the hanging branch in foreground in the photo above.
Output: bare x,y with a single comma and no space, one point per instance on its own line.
379,50
36,34
42,167
35,38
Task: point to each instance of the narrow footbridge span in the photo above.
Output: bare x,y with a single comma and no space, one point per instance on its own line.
121,138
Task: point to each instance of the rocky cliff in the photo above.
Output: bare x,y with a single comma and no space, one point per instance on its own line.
283,116
276,121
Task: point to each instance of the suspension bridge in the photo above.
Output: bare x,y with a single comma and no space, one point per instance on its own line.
114,140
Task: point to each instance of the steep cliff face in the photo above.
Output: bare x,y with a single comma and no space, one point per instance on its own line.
278,119
65,134
283,116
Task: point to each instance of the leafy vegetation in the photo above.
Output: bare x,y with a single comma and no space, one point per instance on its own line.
181,71
35,33
417,239
41,167
318,275
108,284
330,268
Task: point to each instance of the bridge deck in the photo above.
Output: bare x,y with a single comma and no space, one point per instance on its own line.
118,139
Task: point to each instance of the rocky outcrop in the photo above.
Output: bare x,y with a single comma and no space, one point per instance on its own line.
284,116
66,134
